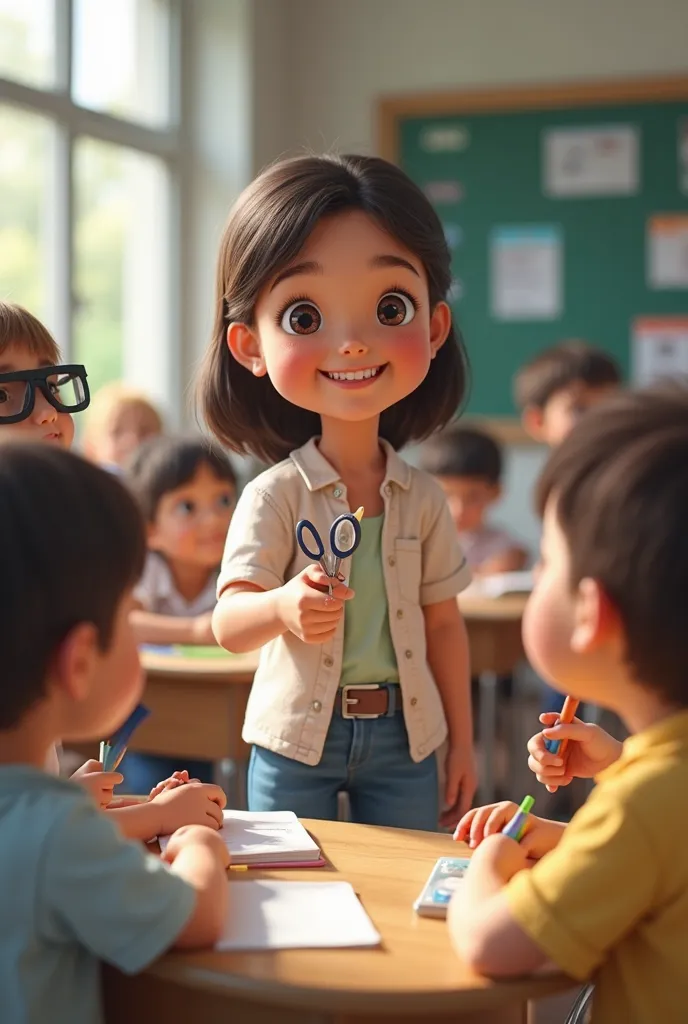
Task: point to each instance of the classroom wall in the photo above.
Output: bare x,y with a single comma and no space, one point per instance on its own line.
339,57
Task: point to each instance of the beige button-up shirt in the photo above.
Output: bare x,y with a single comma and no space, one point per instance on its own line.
292,698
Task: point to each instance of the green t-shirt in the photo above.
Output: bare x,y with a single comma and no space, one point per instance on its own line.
368,651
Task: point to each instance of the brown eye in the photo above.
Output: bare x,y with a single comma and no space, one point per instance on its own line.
395,310
301,318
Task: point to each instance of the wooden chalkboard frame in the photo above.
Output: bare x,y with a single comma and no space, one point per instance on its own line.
543,96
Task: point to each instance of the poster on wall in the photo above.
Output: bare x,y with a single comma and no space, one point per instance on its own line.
445,137
526,272
659,349
601,160
667,251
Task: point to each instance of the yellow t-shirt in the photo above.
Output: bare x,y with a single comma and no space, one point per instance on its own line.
611,901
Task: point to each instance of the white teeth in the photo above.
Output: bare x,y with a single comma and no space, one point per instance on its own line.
355,374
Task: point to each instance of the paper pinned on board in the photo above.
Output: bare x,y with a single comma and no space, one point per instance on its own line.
601,160
526,272
667,251
659,349
296,915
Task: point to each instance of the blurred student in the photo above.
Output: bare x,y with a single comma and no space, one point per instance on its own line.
118,421
467,464
559,385
186,490
75,892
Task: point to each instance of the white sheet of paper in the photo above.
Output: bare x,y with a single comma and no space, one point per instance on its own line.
603,160
660,349
296,915
667,251
267,836
526,272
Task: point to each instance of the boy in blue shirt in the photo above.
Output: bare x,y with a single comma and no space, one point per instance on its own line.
72,546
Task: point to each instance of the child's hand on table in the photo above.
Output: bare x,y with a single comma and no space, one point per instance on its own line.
460,784
194,803
588,751
176,779
98,783
480,823
307,610
196,835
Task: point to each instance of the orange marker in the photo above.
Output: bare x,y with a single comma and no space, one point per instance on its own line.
567,715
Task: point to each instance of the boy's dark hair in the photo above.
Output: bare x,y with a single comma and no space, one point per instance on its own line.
560,366
267,228
72,543
620,482
465,452
162,464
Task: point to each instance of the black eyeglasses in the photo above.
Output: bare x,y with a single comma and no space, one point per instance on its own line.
65,387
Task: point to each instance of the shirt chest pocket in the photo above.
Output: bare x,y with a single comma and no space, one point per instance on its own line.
408,568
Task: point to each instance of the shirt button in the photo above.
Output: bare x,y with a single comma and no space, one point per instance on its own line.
316,706
413,701
408,654
391,560
400,613
328,661
337,492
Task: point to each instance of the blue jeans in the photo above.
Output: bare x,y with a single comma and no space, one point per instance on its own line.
144,771
367,758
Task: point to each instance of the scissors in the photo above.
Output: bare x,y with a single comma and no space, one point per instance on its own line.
345,536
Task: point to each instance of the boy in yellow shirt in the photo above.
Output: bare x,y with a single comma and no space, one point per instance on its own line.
607,897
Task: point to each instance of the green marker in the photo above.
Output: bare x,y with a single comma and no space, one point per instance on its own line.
517,825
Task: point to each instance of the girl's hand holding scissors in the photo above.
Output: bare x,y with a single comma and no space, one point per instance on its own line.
306,608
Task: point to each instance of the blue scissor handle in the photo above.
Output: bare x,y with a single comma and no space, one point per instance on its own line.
356,526
306,525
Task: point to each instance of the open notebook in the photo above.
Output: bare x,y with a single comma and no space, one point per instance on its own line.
270,838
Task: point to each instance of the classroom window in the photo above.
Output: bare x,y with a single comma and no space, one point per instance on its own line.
89,179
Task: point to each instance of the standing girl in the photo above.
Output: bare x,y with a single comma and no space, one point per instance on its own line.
333,347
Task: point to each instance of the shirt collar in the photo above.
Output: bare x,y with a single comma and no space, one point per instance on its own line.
318,473
670,733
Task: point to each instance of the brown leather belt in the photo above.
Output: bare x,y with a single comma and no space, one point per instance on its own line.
369,700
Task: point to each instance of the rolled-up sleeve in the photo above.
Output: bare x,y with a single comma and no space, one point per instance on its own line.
445,569
260,542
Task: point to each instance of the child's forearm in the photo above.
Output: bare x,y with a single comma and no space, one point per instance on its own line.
245,620
136,821
200,868
447,647
150,628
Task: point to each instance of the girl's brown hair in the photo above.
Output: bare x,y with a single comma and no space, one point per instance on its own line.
267,228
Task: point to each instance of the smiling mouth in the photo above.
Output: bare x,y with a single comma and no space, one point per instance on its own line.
355,376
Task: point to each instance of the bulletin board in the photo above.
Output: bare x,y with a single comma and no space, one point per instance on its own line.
566,212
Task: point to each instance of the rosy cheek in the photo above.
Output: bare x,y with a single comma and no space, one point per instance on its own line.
292,367
411,350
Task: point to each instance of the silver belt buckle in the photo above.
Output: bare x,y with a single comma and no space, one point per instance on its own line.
348,701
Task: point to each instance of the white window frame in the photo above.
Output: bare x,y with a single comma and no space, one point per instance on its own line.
71,122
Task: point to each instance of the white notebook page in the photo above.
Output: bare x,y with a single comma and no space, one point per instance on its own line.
295,915
270,836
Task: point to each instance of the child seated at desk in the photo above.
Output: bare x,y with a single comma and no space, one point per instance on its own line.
559,385
38,396
186,489
467,465
75,892
608,894
119,419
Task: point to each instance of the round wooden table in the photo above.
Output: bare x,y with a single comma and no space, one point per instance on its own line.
413,977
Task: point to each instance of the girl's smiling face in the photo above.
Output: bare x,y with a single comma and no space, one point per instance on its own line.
346,330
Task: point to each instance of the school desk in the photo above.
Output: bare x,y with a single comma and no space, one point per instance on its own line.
413,978
197,710
496,647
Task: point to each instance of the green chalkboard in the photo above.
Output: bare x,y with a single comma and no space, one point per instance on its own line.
484,169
